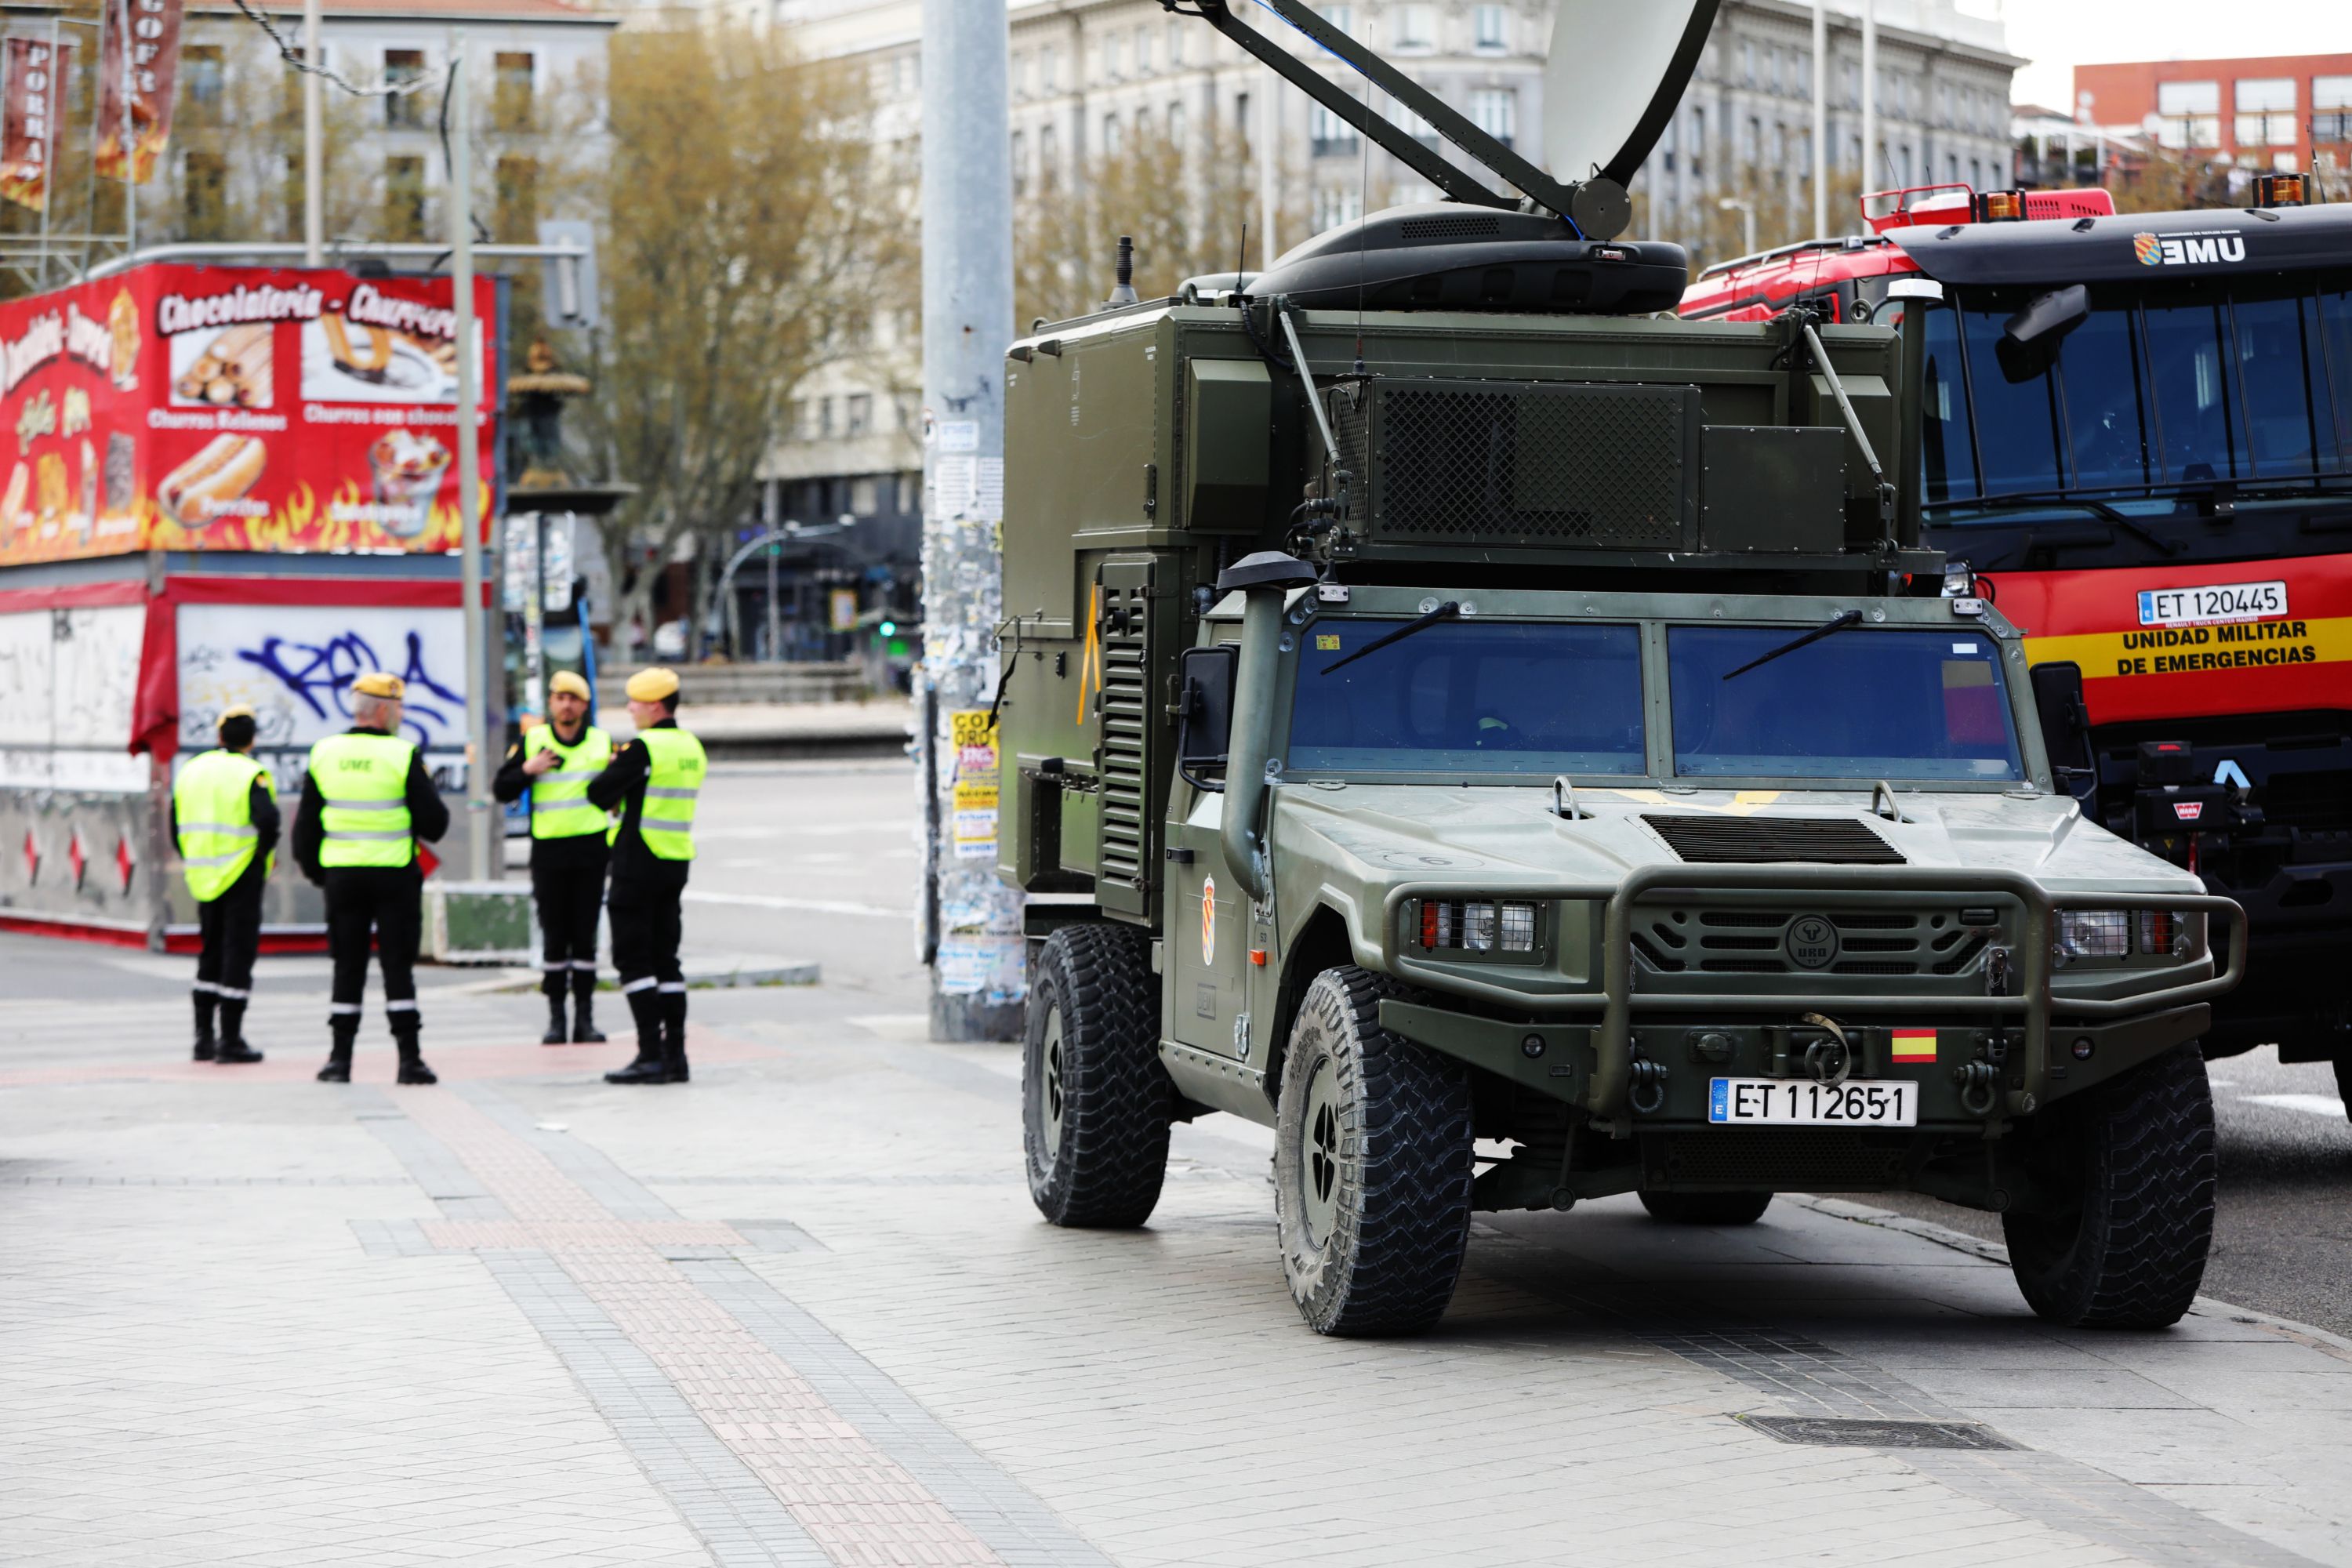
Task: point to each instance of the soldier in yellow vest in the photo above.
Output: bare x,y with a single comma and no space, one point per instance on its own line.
554,765
366,800
225,822
654,784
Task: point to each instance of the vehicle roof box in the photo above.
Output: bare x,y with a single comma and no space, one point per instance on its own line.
1441,255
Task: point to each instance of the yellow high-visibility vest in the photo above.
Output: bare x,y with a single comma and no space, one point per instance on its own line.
363,789
559,800
212,800
673,785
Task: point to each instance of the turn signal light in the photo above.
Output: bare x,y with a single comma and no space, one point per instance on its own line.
2160,932
2001,206
2281,191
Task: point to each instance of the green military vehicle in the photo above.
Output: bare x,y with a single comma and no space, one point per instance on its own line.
1516,747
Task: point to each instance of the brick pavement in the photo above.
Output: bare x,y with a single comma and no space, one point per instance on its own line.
525,1317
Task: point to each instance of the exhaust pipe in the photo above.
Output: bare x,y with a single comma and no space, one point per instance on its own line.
1263,580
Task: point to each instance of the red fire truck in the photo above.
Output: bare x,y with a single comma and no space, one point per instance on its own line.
2137,440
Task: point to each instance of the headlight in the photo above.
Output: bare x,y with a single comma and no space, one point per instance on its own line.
1477,925
2095,933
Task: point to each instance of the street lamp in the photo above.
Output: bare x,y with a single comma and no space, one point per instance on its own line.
1747,211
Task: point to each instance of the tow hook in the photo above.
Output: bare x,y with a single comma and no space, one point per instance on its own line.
1648,1094
1828,1060
1979,1087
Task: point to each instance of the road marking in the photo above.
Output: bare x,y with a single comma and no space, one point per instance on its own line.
810,906
2326,1105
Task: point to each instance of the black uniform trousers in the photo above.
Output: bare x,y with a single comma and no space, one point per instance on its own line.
230,926
388,900
568,886
645,930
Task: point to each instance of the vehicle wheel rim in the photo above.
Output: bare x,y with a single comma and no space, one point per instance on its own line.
1318,1163
1051,1105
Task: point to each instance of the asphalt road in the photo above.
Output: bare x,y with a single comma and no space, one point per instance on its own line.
818,861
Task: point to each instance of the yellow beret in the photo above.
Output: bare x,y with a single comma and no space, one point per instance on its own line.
235,710
653,684
376,683
567,680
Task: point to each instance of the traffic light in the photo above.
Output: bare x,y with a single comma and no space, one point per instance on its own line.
888,628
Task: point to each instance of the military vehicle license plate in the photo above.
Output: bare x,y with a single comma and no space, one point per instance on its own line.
1801,1102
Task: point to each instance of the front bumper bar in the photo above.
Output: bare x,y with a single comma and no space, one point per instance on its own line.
2034,1003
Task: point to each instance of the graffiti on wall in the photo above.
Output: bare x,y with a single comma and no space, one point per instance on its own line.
294,667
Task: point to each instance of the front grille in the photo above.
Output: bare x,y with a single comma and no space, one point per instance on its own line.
1764,840
1573,465
1126,707
1752,941
1809,1158
2319,800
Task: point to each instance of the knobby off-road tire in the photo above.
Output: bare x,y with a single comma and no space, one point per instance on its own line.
2133,1159
1094,1102
1372,1165
1706,1208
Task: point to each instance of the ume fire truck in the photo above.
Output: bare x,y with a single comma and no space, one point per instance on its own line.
2137,438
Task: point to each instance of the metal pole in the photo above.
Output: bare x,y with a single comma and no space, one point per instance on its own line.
1269,166
467,434
978,980
1821,118
130,140
50,154
1869,92
314,143
775,617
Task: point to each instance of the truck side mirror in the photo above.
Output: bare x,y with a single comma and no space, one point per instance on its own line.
1204,715
2029,340
2067,727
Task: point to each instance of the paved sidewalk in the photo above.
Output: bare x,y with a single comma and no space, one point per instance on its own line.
801,1311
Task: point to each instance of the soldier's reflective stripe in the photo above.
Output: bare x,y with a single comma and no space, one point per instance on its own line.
567,775
212,801
344,1007
666,825
633,986
652,794
560,807
362,782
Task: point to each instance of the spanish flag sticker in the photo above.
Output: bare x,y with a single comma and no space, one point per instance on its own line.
1914,1045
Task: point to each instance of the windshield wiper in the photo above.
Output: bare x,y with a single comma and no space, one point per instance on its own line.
2101,510
1835,624
1449,610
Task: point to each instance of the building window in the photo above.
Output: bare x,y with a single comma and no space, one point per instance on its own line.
1746,63
1490,29
510,105
1110,136
1176,125
1495,110
2188,114
1176,33
201,81
1337,205
1049,69
204,194
1110,56
2331,109
1414,126
1666,144
1020,163
861,414
865,496
405,109
1143,127
1241,114
825,419
1414,27
518,194
1049,157
1143,51
1327,133
2265,113
293,195
910,493
1698,143
403,199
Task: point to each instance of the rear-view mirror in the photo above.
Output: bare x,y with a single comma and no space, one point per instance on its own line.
1204,711
2030,339
2067,727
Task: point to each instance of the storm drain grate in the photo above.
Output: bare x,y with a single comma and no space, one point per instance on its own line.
1842,1432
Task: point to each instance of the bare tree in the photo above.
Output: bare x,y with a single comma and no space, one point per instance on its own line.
749,235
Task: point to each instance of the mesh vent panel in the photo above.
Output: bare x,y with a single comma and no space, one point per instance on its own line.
1598,467
1466,227
1761,840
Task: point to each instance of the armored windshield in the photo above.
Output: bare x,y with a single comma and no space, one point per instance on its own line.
1470,697
1874,702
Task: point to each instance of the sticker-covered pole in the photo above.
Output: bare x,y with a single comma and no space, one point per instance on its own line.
979,979
481,865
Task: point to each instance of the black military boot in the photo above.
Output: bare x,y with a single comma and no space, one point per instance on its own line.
674,1035
411,1062
585,1031
206,1003
232,1046
338,1059
558,1031
651,1065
